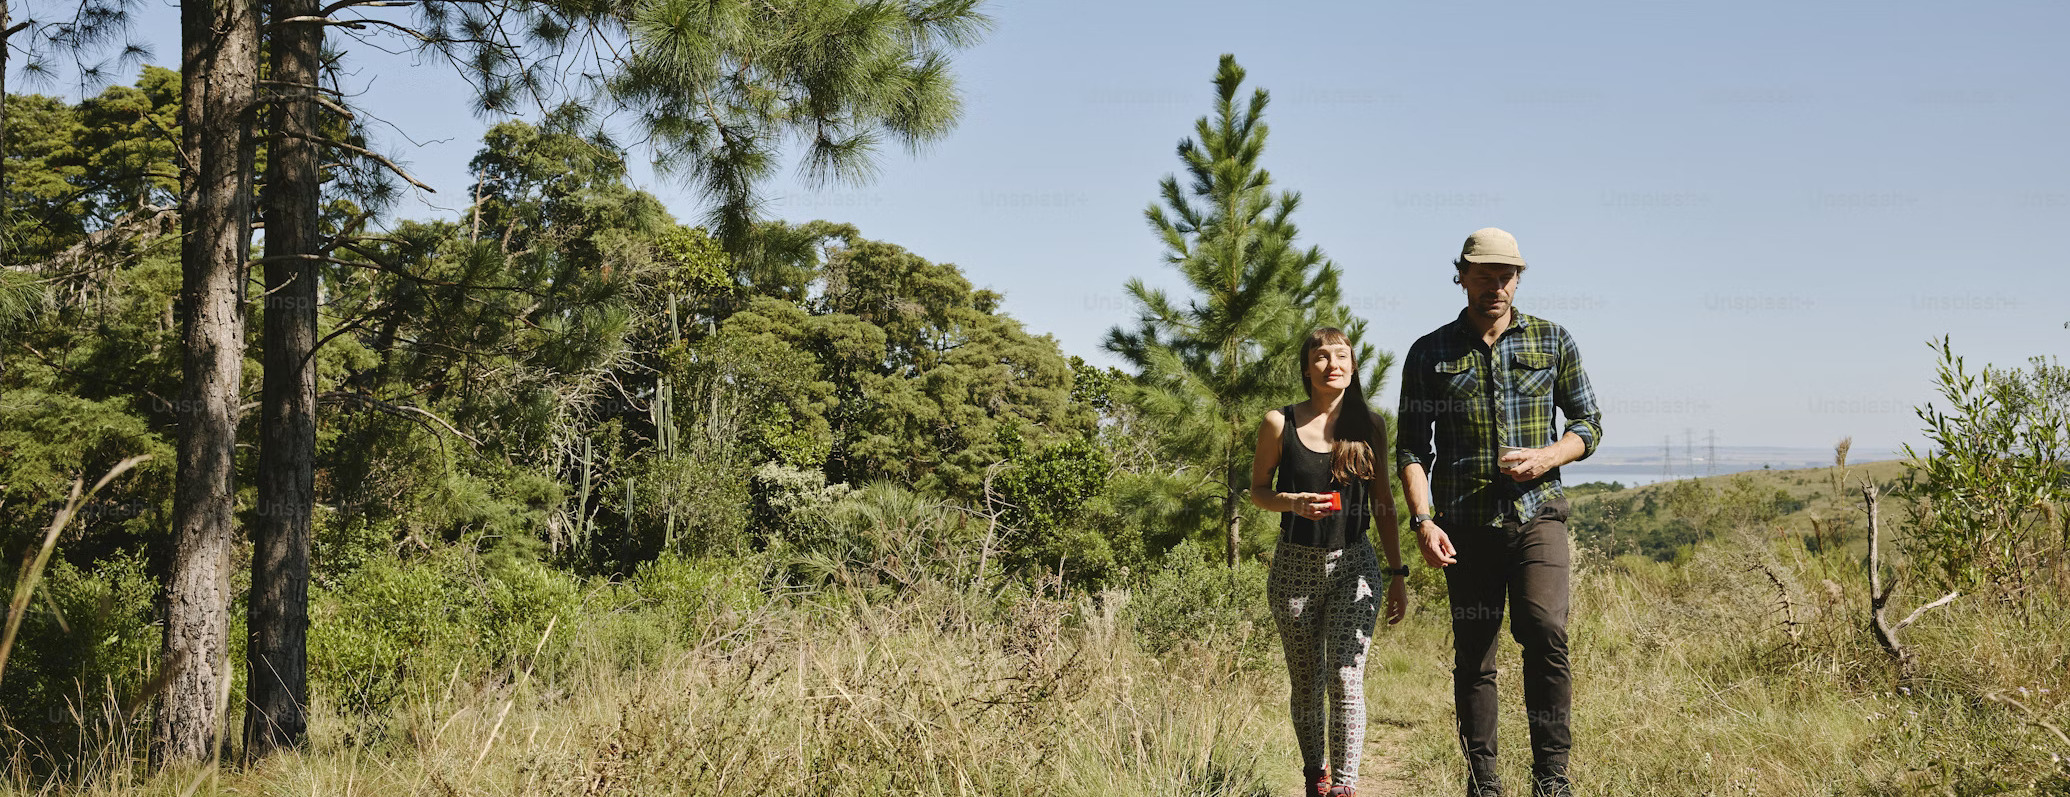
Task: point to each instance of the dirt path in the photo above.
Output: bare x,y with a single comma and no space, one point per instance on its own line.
1380,769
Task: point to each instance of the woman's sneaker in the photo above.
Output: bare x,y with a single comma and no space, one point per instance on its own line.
1315,782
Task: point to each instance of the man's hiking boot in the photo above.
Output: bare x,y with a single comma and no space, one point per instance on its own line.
1551,784
1489,785
1315,782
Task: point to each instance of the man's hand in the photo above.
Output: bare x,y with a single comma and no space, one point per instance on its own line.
1529,463
1435,544
1397,599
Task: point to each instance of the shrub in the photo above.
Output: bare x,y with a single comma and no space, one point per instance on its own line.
691,595
88,639
397,624
790,503
1989,508
1189,601
703,502
1044,492
887,537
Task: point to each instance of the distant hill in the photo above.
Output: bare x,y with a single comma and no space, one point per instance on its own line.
1633,465
1661,520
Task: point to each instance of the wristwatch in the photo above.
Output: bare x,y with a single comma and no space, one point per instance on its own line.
1400,572
1417,521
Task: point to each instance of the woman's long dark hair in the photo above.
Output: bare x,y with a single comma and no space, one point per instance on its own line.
1351,460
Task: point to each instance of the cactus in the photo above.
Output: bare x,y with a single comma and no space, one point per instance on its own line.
664,407
662,411
675,332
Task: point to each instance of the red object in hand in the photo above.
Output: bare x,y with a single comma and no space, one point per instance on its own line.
1336,500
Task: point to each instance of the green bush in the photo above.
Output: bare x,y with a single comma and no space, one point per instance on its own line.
397,624
885,538
1190,601
1043,491
790,503
692,596
87,639
1995,487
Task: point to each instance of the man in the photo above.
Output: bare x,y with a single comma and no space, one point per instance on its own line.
1485,385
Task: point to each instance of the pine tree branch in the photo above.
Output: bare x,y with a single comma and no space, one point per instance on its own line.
369,155
327,104
345,4
283,84
400,410
396,271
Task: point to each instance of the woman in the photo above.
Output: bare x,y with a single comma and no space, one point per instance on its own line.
1324,572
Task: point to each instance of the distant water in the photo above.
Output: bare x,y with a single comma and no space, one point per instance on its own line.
1581,473
1639,465
1630,477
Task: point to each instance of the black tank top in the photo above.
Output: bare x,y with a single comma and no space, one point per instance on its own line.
1304,471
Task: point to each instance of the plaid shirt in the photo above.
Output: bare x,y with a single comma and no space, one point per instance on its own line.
1447,382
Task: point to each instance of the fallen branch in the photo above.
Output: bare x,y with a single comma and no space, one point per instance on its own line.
2032,716
1879,600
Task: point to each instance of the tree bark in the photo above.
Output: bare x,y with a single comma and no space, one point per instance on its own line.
219,68
1234,479
6,252
6,33
278,613
1232,510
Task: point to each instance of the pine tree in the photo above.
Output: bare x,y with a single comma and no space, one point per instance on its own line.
723,85
1209,366
220,60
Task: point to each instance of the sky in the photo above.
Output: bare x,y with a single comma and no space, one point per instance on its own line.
1752,216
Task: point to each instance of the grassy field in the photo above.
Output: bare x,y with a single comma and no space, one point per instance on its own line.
1742,667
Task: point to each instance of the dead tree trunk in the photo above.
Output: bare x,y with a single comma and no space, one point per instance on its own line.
278,614
1879,600
219,65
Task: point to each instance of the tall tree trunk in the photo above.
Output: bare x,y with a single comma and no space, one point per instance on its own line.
7,31
278,614
1234,512
219,68
1232,507
8,27
6,247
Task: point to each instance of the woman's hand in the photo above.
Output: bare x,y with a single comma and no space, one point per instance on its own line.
1397,599
1314,506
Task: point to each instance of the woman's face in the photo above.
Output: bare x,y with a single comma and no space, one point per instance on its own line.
1330,367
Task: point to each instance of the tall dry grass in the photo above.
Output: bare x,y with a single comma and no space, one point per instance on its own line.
1746,670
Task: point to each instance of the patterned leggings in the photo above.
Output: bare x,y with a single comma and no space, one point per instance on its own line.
1325,603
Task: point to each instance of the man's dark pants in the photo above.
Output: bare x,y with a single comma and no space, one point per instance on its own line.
1527,564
